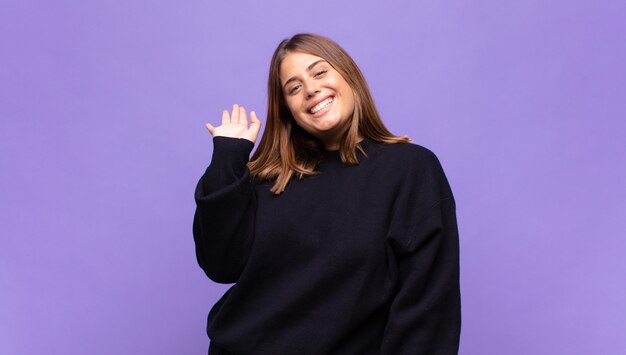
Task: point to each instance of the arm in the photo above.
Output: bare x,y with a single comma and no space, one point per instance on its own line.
223,225
425,315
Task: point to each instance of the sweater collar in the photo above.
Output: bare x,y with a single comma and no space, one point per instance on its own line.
334,154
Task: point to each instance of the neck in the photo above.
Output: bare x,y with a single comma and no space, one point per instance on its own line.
334,146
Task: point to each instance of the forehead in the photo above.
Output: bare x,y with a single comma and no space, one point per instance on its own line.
296,63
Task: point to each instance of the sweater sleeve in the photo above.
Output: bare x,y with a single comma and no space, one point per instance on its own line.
425,314
223,224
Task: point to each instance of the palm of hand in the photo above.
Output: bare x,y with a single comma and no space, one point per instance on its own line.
235,125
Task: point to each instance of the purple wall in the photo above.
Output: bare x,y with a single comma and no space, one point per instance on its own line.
102,106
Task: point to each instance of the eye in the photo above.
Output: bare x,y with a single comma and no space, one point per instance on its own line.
293,89
320,72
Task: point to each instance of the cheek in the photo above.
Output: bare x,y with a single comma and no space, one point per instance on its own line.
351,95
344,87
348,98
296,111
350,106
291,105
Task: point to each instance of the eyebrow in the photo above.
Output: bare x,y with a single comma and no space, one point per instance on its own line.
308,68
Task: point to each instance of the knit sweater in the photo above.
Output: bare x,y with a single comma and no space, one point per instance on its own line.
360,259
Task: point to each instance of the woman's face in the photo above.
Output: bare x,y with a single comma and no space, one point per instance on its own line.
319,98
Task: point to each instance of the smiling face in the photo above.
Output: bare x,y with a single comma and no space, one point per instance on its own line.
319,98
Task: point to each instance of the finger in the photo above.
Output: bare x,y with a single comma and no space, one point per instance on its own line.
225,117
234,117
255,123
209,127
243,119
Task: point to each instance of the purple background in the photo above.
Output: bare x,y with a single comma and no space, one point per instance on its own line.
102,107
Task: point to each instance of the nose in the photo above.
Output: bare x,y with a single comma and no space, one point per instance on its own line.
311,90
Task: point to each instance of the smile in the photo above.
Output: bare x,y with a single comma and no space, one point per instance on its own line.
322,107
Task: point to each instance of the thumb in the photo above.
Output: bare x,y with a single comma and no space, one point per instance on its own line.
209,127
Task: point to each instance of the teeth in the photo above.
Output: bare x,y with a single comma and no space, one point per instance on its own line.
322,105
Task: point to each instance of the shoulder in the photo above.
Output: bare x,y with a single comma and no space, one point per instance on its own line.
411,156
417,167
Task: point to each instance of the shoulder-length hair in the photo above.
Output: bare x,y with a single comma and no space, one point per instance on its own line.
285,148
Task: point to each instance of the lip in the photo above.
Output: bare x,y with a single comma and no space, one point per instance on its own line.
308,109
323,111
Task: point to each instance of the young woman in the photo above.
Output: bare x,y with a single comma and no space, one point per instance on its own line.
339,237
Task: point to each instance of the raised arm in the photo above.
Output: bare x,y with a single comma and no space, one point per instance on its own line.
223,224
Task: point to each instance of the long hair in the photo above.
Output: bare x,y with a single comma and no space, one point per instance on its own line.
285,148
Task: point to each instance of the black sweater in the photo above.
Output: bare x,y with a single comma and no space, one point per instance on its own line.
361,259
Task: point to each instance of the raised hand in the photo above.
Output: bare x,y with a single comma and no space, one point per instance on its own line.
235,125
